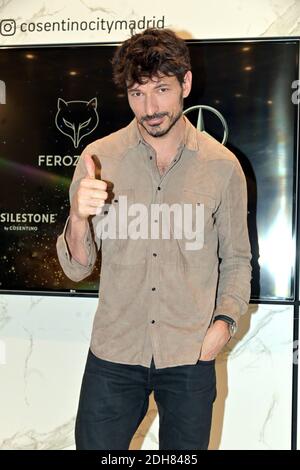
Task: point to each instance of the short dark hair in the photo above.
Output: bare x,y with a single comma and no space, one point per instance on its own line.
148,54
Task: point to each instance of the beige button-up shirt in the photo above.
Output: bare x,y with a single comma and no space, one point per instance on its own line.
157,297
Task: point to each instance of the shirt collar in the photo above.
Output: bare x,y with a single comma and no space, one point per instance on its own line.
190,139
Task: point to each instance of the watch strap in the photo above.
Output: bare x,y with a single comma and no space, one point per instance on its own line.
225,318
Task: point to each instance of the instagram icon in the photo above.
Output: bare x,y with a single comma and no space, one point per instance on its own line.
7,27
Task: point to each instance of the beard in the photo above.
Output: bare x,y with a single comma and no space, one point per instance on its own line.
156,131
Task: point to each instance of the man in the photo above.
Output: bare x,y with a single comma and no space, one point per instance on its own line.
166,307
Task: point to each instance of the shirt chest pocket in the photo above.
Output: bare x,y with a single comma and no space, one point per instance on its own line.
198,209
119,246
192,230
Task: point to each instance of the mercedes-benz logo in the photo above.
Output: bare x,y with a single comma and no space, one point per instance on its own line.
200,120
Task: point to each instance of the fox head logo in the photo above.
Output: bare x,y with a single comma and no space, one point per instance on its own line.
76,119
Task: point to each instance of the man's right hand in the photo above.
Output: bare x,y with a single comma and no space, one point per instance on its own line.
91,193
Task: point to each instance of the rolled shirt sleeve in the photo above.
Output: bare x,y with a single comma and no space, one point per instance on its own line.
71,267
233,291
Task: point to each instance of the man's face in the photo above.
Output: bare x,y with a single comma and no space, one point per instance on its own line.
158,103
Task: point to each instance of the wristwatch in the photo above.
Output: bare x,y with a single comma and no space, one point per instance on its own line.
232,324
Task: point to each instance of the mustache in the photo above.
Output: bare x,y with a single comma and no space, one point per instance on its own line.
153,116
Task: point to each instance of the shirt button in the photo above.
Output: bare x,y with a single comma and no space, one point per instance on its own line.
159,188
154,254
105,212
153,288
116,200
150,158
152,321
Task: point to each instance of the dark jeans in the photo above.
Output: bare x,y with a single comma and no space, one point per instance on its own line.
114,399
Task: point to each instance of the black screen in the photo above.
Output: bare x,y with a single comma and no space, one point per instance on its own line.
48,89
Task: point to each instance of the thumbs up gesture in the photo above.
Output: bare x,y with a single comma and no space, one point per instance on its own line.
90,166
91,194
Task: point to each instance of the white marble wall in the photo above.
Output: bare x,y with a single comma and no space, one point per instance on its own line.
194,19
253,410
44,340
